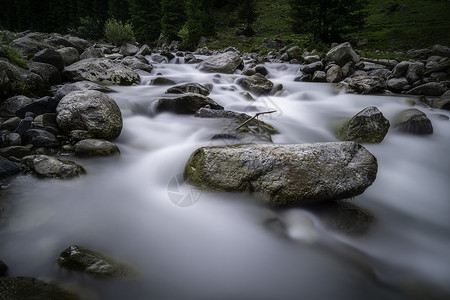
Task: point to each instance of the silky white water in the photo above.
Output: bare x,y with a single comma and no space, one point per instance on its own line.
208,245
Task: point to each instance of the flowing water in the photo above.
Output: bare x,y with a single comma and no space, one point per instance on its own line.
392,242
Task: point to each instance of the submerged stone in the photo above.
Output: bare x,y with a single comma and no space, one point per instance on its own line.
50,167
186,104
413,121
28,288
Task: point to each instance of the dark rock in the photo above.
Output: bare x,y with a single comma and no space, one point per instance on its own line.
283,175
28,288
8,168
249,72
92,111
47,72
363,84
10,124
50,167
397,84
16,151
144,50
162,81
429,89
312,67
342,54
38,107
3,268
261,70
80,86
79,43
441,50
24,124
69,55
128,49
40,138
413,121
28,45
10,106
367,126
77,258
415,71
227,63
78,135
400,69
257,84
137,62
51,57
418,54
186,104
304,78
189,57
195,88
94,148
92,53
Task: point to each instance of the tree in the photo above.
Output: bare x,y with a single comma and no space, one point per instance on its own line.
200,21
247,12
145,17
118,9
173,17
327,20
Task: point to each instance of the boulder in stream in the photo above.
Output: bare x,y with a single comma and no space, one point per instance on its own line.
51,167
413,121
8,168
185,104
94,148
284,175
342,54
256,83
363,84
28,288
227,63
191,87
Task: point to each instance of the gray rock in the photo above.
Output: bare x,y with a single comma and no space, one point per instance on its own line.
8,168
367,126
415,71
227,63
159,59
77,258
319,76
17,81
16,151
311,59
94,148
261,70
24,125
256,83
69,55
137,62
342,54
185,104
92,53
28,45
334,74
92,111
195,88
441,50
10,106
28,288
51,57
162,81
10,124
40,138
413,121
400,69
363,84
144,50
429,89
418,54
80,44
80,86
249,72
47,72
312,67
397,84
128,49
40,106
283,175
294,52
50,167
383,73
101,70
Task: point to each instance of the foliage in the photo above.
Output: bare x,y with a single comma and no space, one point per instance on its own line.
88,29
200,21
327,20
118,9
247,12
118,33
145,17
173,17
13,56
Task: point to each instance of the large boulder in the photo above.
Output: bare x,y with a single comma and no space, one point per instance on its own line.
256,83
98,265
227,63
363,84
191,87
92,111
415,71
101,70
413,121
28,288
342,54
51,167
8,168
284,175
367,126
137,62
128,49
69,55
95,148
397,84
80,86
51,57
429,89
185,104
10,106
312,67
29,45
47,72
334,74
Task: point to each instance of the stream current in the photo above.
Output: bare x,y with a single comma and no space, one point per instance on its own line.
392,242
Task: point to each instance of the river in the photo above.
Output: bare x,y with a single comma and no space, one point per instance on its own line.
189,244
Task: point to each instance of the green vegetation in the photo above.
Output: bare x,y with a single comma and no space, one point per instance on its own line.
118,33
13,56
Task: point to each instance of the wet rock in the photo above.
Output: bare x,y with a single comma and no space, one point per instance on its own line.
3,268
429,89
334,74
77,258
162,81
137,62
415,71
257,84
101,70
363,84
8,168
144,50
28,288
294,53
92,111
16,151
261,70
249,72
92,53
227,63
51,57
367,126
413,121
69,55
312,67
40,138
95,148
283,175
159,59
10,106
186,104
397,84
41,106
128,49
319,76
400,69
50,167
29,45
194,88
342,54
80,86
80,44
47,72
10,124
311,59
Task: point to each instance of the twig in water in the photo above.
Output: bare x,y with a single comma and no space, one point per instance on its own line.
254,117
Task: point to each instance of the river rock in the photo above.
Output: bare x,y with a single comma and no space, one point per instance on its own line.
128,49
50,167
10,106
28,288
312,67
334,74
51,57
227,63
309,59
16,151
261,70
162,81
144,50
400,69
191,87
342,54
319,76
185,104
80,44
17,81
10,124
413,121
397,84
47,72
283,175
137,62
367,126
8,168
429,89
80,86
3,268
92,111
78,258
294,52
256,83
94,148
38,107
101,70
69,55
40,138
29,45
92,53
441,50
363,84
415,71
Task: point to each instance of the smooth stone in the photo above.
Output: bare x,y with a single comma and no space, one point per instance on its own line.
413,121
185,104
50,167
95,148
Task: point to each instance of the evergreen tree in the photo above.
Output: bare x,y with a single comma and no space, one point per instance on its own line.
200,21
173,17
145,17
8,14
118,9
247,12
327,20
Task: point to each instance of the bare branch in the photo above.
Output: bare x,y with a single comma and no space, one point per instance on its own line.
254,117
